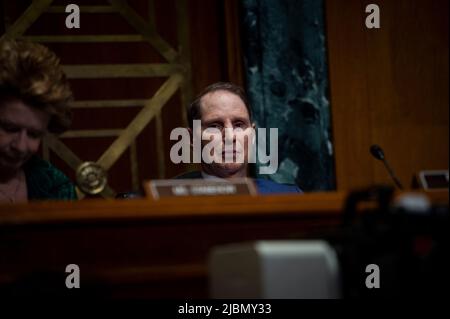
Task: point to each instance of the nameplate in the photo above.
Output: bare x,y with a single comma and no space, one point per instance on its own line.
199,187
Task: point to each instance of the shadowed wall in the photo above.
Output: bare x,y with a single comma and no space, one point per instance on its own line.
388,86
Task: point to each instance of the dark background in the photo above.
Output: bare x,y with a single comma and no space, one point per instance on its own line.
387,86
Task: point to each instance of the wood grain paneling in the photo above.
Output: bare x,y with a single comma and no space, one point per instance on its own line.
388,86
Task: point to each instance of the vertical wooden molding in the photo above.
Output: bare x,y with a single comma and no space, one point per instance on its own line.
134,166
184,49
235,65
2,18
160,146
349,93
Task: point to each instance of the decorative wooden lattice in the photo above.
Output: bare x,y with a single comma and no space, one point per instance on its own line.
176,69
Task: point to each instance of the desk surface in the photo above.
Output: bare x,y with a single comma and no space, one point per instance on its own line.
324,203
155,249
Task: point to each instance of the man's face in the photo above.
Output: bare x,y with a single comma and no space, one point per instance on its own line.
21,130
225,110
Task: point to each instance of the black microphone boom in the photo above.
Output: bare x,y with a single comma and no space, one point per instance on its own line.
378,153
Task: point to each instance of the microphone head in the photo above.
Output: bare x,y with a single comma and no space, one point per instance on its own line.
377,152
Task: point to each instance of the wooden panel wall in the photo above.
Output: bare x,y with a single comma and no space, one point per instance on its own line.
388,86
209,26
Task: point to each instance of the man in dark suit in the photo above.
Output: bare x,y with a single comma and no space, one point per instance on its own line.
224,106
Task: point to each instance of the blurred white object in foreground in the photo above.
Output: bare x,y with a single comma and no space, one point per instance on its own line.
291,269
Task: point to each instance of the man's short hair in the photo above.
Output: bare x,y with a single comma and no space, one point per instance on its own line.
32,73
194,110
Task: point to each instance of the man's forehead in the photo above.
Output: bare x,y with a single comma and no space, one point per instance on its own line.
222,103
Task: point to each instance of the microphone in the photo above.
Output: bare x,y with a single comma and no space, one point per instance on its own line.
378,153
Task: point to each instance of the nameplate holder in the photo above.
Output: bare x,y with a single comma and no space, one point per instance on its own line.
433,180
199,187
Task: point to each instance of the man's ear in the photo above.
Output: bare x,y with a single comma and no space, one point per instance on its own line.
254,125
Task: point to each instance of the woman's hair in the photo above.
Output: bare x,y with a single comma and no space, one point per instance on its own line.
32,73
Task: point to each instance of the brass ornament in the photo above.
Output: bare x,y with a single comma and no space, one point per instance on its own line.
91,178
